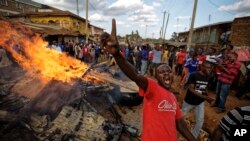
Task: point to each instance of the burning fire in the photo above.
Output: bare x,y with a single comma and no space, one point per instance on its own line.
34,56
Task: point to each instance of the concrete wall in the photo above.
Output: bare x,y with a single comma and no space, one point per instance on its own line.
66,22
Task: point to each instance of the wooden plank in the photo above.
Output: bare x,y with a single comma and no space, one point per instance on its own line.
129,85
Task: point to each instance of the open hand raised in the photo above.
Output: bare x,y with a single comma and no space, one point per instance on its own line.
109,42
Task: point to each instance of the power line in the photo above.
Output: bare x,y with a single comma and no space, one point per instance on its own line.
173,5
92,6
217,6
187,3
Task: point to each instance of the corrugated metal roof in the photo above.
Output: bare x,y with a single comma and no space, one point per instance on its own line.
30,2
209,25
51,30
44,14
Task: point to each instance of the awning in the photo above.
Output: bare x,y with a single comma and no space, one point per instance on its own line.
243,55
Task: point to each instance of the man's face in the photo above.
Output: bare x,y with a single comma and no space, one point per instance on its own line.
210,51
191,53
228,47
231,57
157,47
206,68
199,51
163,75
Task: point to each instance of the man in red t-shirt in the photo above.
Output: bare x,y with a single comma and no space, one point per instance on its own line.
201,56
229,72
180,58
161,112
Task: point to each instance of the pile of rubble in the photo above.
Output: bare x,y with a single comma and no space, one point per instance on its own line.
86,111
78,120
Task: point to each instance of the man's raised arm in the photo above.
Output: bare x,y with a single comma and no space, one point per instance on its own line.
110,44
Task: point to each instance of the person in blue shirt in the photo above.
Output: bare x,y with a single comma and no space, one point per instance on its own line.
191,63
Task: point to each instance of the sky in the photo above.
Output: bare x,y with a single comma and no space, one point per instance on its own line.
146,16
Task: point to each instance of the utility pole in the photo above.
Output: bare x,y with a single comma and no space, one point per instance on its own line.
177,24
177,34
192,26
209,30
87,21
160,34
166,26
77,7
162,31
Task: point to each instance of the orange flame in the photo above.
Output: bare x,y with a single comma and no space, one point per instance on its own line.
34,56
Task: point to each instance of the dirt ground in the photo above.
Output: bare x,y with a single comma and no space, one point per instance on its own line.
211,117
133,116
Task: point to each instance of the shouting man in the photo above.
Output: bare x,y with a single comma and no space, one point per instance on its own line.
161,112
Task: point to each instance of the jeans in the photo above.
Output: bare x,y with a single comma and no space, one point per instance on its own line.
222,91
144,65
179,69
199,116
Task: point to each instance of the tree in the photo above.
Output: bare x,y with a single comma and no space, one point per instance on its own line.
137,34
174,36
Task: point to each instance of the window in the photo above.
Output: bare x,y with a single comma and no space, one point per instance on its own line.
17,4
65,24
213,36
51,22
4,2
20,6
31,9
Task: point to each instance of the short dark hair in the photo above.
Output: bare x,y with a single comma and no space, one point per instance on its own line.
207,62
161,64
214,49
231,46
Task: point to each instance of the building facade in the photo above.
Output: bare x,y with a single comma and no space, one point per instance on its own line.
209,35
96,32
10,7
236,32
63,19
61,26
58,24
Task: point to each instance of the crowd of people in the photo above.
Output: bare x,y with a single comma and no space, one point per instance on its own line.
198,69
225,71
89,53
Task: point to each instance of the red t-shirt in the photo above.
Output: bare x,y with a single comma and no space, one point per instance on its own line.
151,55
201,59
234,68
160,111
181,57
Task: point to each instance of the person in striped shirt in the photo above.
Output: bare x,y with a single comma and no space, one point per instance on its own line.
229,72
235,119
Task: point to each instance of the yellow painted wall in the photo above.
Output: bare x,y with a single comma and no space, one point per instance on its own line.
66,22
